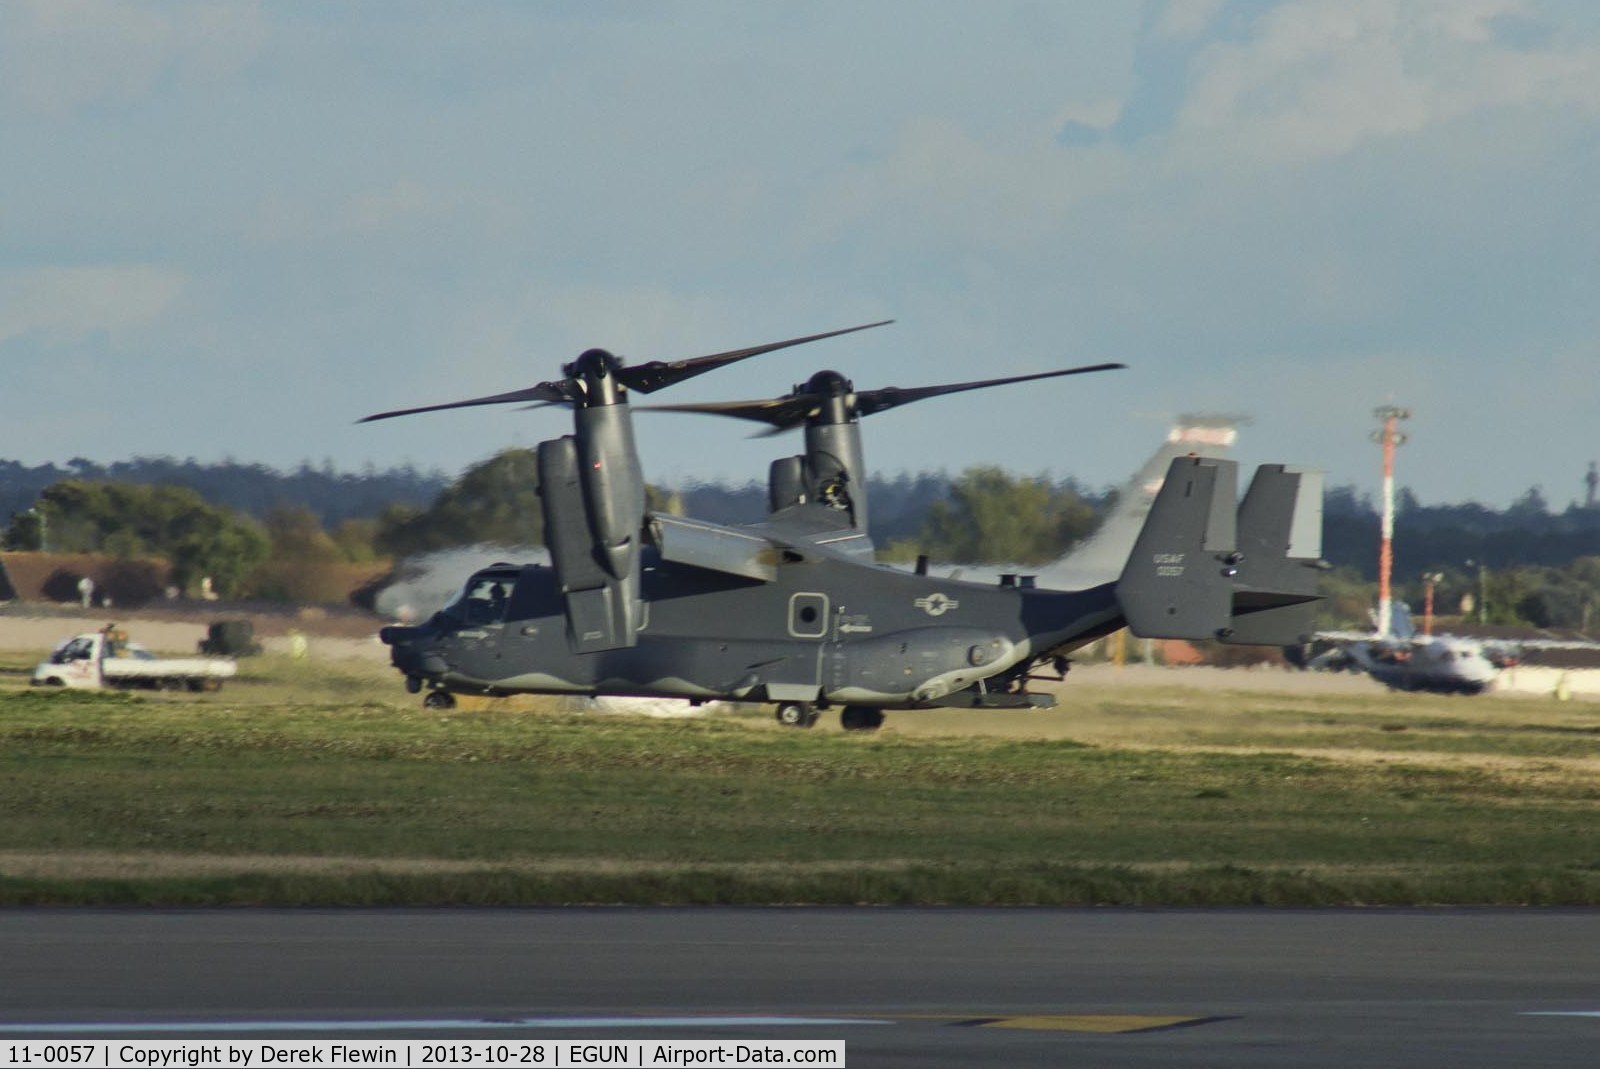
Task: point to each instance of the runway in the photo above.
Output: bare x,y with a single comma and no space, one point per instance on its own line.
902,987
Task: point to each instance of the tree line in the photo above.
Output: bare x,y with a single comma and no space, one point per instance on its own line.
255,489
267,534
1526,565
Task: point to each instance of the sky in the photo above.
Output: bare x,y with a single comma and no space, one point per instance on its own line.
229,230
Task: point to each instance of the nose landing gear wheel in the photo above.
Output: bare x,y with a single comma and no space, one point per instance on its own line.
796,715
860,718
439,699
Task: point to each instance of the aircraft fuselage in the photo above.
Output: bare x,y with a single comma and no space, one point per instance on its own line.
1438,666
823,630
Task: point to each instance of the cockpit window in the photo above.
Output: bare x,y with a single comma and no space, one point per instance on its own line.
483,600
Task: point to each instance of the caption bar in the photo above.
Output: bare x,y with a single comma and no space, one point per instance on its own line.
545,1054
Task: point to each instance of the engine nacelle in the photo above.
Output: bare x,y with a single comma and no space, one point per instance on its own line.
598,572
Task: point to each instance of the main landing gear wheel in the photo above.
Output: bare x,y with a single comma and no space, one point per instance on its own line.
796,714
860,718
439,699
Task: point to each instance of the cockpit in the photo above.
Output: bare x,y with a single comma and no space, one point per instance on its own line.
484,599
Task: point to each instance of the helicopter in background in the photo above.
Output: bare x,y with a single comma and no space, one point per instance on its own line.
791,612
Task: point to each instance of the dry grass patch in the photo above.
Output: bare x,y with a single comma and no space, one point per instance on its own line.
327,784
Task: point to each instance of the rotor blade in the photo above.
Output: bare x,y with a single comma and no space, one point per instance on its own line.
781,412
869,402
548,392
794,409
658,374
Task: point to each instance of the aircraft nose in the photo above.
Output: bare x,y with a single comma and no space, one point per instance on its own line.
396,634
410,652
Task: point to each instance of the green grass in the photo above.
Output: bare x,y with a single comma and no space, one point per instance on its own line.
302,784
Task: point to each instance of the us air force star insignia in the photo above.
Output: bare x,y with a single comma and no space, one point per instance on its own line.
937,604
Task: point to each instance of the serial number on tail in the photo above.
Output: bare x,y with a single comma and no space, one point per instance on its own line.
1168,564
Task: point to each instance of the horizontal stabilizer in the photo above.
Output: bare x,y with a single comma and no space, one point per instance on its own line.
1177,582
1280,550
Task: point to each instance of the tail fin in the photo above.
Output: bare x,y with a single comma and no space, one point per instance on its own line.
1199,570
1102,556
1280,546
1177,581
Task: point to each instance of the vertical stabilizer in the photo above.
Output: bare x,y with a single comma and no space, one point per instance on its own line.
1177,582
1280,549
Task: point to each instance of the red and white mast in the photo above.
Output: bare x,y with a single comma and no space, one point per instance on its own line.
1389,437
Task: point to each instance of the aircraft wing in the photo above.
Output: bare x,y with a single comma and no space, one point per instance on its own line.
754,551
1504,653
816,526
732,550
1545,644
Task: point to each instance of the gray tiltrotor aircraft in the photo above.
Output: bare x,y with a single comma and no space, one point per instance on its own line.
790,611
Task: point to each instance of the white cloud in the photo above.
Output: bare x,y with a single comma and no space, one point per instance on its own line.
1186,18
57,56
413,201
1319,78
941,186
1096,114
66,303
1309,80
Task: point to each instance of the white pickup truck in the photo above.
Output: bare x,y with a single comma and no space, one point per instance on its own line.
89,660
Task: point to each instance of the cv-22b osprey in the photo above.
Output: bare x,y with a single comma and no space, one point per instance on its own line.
635,603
